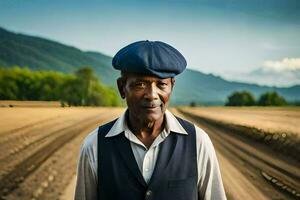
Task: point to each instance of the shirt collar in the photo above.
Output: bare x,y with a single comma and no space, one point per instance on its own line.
172,125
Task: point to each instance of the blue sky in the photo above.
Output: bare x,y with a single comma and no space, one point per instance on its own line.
253,41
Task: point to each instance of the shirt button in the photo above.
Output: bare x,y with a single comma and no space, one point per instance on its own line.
146,169
148,193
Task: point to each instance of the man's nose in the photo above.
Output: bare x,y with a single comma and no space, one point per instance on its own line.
151,92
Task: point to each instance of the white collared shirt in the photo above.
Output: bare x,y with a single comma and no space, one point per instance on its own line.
210,184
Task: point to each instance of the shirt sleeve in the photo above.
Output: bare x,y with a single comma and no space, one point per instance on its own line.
210,184
86,184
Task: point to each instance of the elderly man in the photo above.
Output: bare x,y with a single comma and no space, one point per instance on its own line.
148,153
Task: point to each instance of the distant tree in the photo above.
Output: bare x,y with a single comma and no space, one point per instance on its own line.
79,89
9,88
242,98
295,103
193,104
71,92
85,76
271,99
94,93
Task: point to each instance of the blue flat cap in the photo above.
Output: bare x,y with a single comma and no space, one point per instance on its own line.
150,58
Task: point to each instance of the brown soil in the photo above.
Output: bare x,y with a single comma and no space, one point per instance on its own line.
39,150
242,162
38,156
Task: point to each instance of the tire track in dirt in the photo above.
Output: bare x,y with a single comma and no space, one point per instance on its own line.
51,179
15,131
19,149
11,180
252,161
28,131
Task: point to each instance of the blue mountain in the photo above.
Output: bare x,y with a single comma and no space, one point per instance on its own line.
191,86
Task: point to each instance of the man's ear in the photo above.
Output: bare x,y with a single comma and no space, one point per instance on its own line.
121,87
173,82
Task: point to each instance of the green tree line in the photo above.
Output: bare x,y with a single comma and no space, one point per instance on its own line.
79,89
245,98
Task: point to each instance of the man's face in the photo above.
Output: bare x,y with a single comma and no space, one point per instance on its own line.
147,97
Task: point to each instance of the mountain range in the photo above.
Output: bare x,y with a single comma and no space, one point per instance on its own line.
191,86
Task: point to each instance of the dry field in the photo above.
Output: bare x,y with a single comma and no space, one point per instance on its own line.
39,148
11,103
272,120
250,167
278,128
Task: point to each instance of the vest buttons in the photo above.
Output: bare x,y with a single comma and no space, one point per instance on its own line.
148,194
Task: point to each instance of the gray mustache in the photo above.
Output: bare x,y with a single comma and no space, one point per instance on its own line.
150,103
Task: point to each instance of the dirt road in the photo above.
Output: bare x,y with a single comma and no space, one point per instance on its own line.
39,149
251,170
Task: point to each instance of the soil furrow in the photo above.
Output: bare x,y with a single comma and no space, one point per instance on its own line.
250,155
11,180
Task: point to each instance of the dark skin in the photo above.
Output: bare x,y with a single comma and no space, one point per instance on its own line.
147,98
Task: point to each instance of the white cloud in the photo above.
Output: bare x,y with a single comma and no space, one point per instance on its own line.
283,73
286,64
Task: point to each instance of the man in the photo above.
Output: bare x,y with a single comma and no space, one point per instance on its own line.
148,153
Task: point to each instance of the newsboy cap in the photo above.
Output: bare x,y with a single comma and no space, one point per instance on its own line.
150,58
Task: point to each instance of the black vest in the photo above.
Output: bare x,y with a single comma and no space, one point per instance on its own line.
174,176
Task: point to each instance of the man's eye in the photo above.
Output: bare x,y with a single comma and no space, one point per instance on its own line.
140,84
162,85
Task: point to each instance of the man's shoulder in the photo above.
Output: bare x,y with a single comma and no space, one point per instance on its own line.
201,135
90,140
199,131
104,129
183,121
204,143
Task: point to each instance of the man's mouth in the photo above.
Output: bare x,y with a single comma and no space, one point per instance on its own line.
151,106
